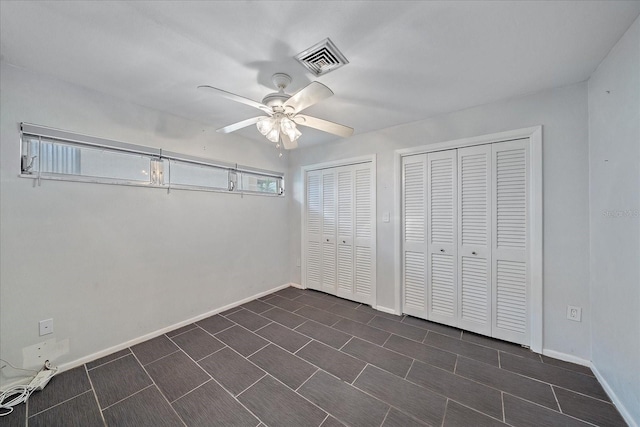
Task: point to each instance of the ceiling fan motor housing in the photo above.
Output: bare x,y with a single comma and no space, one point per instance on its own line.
277,99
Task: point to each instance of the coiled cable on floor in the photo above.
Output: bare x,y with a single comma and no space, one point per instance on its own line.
20,393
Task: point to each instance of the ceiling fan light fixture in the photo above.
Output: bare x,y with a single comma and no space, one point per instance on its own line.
273,135
265,125
288,127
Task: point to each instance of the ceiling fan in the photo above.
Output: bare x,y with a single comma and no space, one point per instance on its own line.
283,112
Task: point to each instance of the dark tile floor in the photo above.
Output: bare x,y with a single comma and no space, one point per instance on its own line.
303,358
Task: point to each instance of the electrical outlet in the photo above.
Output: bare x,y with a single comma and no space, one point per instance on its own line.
46,327
574,313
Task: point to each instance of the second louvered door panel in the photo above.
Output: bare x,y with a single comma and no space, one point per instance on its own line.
345,178
414,235
442,287
474,239
329,229
313,229
364,244
510,276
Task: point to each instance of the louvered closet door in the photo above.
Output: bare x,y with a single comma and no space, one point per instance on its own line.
414,235
364,232
345,177
313,229
511,279
329,229
442,284
474,239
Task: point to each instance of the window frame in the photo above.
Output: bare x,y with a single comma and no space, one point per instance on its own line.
155,155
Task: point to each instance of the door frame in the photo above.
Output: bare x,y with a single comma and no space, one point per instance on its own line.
534,135
303,213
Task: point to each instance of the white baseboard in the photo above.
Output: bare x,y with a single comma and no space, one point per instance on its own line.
79,362
296,285
614,398
566,357
386,310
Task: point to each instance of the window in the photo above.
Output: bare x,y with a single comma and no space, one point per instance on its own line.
260,183
59,155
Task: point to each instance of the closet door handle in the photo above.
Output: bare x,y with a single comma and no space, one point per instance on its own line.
327,240
441,250
474,253
344,241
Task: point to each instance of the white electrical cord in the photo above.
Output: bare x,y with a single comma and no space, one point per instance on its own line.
20,393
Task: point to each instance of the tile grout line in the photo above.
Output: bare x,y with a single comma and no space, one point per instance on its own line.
580,393
193,389
446,408
253,383
236,399
109,361
289,388
298,350
504,418
262,327
181,333
95,396
409,370
556,398
131,395
222,330
154,383
361,371
57,404
348,341
163,357
325,419
557,412
210,354
385,416
305,381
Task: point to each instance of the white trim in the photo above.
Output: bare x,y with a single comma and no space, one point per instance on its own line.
474,140
614,397
566,357
341,162
387,310
397,232
534,134
296,285
97,355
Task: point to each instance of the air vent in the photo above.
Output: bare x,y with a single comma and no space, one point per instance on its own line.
322,58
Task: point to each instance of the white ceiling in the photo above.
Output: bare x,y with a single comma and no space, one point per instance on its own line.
408,60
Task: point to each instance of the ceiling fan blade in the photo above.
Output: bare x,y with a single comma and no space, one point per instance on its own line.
243,124
237,98
288,143
323,125
313,93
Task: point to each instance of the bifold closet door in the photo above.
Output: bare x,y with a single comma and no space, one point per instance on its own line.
474,239
313,230
414,235
442,241
329,230
340,231
510,263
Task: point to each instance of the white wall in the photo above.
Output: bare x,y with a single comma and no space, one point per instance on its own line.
112,263
614,151
563,114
